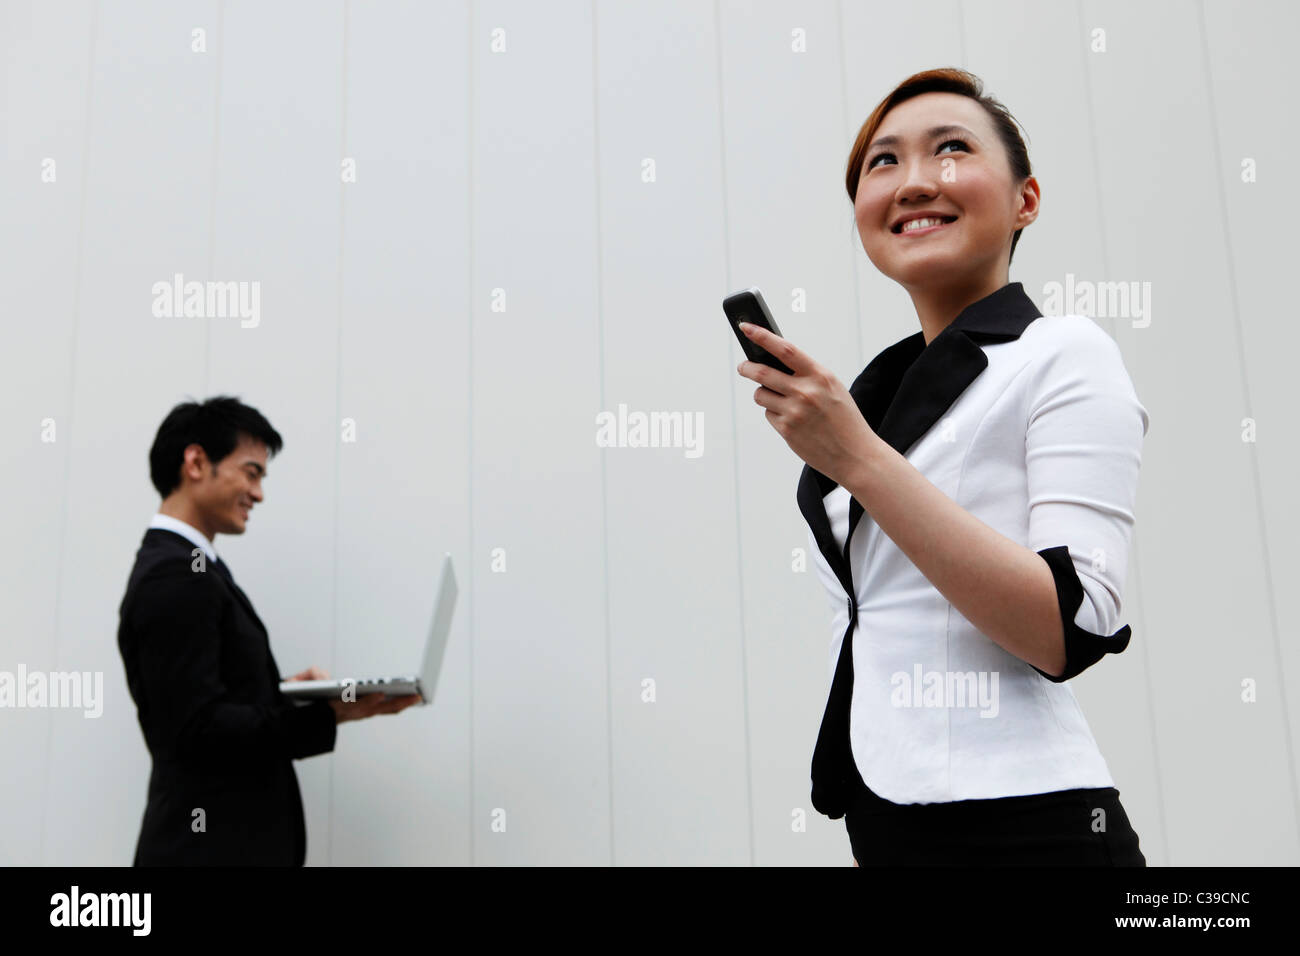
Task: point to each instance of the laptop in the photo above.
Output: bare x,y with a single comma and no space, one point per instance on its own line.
422,683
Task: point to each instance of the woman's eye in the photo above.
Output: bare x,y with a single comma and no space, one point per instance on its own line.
959,142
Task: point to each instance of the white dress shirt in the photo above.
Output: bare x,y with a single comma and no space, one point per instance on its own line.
1040,438
185,530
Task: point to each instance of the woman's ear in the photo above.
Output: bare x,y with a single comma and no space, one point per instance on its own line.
1029,202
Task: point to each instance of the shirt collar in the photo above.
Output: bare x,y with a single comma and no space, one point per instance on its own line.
907,387
1002,314
185,530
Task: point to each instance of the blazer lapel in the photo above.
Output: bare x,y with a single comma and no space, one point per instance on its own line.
908,387
872,391
165,537
223,571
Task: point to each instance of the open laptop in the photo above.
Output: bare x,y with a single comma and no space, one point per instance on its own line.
422,683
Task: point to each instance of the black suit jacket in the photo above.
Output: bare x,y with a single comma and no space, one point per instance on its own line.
222,736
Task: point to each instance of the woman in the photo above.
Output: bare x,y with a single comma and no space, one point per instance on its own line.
970,506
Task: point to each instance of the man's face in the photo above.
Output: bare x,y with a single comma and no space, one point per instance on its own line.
227,491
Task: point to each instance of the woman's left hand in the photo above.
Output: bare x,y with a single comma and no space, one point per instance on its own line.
810,409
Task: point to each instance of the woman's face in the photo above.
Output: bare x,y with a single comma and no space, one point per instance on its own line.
918,172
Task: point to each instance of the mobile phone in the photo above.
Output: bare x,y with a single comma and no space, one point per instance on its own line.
748,306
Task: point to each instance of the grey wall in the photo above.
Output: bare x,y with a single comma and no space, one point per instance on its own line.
522,171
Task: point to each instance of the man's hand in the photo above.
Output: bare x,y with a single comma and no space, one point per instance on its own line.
371,705
311,673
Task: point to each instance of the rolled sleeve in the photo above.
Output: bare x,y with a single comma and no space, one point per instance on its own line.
1083,453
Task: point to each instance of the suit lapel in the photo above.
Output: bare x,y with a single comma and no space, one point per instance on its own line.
169,538
272,669
908,387
223,571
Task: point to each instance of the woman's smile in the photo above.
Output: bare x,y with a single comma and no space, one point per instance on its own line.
923,227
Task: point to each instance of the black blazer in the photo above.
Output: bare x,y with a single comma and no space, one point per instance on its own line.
222,736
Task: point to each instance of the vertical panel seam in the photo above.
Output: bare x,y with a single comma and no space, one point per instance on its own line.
1252,453
212,196
849,137
72,393
600,358
469,408
735,437
338,403
1135,559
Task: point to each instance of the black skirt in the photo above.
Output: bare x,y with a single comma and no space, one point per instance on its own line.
1062,828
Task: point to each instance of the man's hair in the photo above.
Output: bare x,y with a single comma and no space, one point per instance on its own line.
216,425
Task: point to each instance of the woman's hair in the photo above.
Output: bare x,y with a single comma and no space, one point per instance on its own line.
946,80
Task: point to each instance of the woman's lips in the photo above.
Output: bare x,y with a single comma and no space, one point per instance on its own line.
923,232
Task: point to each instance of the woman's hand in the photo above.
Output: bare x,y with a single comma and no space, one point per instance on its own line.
810,409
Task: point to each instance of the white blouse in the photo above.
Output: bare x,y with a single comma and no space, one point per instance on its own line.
1042,442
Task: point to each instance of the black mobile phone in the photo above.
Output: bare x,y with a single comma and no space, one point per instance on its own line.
748,306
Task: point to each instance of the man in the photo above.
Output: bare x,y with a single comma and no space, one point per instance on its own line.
206,687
